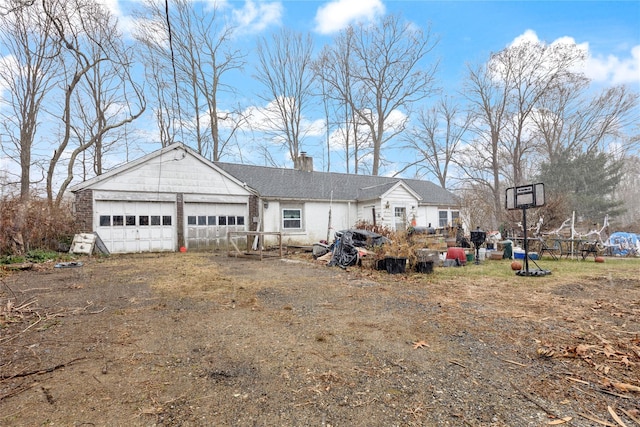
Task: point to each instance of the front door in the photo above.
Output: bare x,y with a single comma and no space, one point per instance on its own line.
400,218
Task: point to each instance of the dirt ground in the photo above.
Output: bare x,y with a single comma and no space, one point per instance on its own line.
201,339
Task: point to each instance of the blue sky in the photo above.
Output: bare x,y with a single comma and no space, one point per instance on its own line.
468,32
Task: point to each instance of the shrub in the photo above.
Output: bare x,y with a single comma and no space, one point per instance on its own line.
33,224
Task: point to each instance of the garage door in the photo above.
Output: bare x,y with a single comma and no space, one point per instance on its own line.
127,227
207,223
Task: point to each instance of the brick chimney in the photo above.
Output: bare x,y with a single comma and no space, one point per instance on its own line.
304,162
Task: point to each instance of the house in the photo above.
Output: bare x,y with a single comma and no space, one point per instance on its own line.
174,197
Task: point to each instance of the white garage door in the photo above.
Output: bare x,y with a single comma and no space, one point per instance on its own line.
127,227
207,223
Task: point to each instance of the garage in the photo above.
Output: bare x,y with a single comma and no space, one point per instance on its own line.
166,200
127,226
207,224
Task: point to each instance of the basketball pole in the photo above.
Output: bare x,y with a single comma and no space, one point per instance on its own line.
526,241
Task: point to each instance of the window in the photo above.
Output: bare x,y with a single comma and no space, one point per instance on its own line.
443,218
105,220
202,220
143,220
240,220
131,220
155,219
222,220
191,220
212,220
291,218
118,220
166,220
231,220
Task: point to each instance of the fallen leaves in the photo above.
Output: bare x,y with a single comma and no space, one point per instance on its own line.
600,355
419,344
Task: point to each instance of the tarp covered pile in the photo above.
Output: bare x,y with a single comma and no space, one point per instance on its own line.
346,250
624,244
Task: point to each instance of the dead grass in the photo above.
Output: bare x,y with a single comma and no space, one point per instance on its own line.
203,339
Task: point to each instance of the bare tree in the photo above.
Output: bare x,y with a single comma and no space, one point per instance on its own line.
571,119
333,69
188,53
530,71
99,94
390,76
284,70
164,99
436,138
481,162
505,95
29,73
531,106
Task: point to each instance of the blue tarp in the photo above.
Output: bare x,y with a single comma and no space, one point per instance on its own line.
624,244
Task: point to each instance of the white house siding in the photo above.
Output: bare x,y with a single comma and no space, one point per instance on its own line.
172,172
270,219
343,216
314,220
399,199
428,215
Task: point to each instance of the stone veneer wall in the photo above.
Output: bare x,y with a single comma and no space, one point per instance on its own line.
180,219
254,212
84,211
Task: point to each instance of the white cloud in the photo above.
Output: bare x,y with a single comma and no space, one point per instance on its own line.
614,70
267,119
338,14
254,17
112,6
607,69
529,36
8,66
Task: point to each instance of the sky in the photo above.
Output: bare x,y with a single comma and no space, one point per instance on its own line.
468,32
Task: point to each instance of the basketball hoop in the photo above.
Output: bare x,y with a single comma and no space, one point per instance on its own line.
523,197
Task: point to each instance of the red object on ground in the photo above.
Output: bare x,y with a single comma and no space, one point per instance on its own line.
516,265
183,249
599,259
457,253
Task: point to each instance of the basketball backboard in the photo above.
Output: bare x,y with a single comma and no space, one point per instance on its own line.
525,196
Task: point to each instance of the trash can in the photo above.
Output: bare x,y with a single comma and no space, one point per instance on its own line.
507,253
424,267
395,265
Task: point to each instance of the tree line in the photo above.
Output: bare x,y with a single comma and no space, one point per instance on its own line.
73,94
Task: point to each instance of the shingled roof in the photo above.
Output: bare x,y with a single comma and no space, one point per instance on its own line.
293,184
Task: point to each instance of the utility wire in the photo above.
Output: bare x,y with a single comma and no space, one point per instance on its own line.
173,64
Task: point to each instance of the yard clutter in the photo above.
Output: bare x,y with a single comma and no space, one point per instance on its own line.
350,245
624,244
393,254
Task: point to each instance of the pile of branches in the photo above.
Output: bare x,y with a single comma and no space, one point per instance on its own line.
13,312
